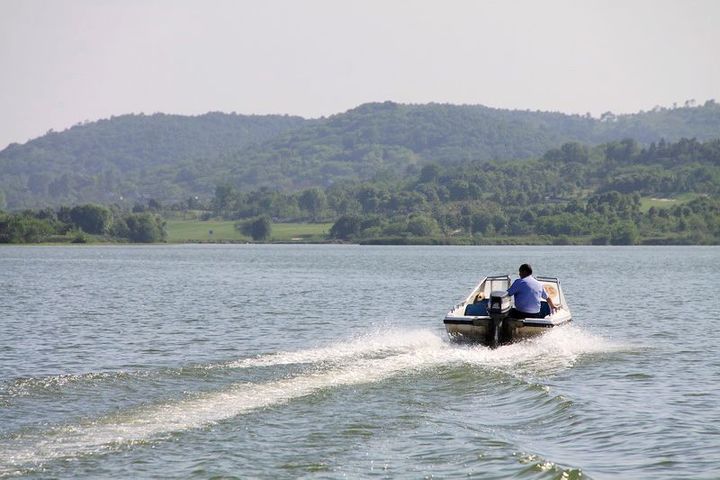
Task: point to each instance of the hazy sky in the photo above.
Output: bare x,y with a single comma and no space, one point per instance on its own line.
66,61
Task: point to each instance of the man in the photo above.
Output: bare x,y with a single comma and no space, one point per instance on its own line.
528,294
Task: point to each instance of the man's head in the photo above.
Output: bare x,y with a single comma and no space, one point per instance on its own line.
525,270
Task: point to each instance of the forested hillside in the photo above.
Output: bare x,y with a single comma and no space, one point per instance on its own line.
617,192
390,140
171,158
111,160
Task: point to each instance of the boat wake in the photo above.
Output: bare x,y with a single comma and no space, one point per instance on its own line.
369,359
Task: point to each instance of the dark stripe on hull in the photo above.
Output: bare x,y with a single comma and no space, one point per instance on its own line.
484,321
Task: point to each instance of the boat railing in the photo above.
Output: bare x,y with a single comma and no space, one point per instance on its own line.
548,279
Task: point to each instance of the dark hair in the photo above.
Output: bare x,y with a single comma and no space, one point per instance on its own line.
525,268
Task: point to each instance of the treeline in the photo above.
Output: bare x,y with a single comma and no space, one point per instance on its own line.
611,218
615,193
81,224
169,157
573,194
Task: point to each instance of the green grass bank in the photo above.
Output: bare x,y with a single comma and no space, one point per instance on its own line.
218,231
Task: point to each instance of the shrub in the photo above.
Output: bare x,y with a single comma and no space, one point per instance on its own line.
259,228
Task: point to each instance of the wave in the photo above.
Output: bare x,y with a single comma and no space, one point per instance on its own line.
379,343
557,349
20,387
369,359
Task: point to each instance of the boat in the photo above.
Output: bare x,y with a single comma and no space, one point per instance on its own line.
484,315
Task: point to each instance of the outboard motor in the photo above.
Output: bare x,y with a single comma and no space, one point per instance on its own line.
498,308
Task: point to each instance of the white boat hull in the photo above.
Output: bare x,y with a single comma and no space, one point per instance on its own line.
476,329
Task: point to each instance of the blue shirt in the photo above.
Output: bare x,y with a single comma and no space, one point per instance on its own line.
528,293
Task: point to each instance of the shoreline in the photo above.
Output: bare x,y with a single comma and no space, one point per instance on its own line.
369,242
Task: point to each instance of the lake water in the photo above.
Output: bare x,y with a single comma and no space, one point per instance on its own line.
298,361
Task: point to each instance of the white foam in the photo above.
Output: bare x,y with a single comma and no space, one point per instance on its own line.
204,410
558,348
27,386
367,360
379,343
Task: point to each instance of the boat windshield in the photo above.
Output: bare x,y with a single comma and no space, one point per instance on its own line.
495,283
552,288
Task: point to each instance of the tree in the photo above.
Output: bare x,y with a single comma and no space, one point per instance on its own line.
145,227
154,205
574,152
625,233
345,227
313,200
459,189
223,196
22,228
429,173
259,228
91,218
372,197
423,226
622,151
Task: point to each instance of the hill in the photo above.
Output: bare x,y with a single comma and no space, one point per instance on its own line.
107,160
389,140
170,158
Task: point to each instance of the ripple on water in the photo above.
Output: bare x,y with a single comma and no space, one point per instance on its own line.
371,359
176,365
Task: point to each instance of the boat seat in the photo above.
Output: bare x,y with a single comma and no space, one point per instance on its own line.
477,309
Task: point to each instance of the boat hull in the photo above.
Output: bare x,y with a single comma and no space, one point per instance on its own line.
479,329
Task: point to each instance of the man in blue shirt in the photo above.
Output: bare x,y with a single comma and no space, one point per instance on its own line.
528,293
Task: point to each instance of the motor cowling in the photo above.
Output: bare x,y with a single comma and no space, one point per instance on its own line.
499,303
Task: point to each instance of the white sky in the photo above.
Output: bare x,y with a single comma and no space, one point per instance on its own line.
63,61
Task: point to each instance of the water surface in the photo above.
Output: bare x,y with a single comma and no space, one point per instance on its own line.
290,361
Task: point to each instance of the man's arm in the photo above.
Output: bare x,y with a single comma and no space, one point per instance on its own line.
513,288
553,307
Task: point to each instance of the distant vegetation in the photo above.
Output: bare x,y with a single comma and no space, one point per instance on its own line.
102,225
80,224
380,173
180,161
129,158
258,228
617,193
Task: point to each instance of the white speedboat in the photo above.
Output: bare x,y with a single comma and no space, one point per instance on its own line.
483,316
